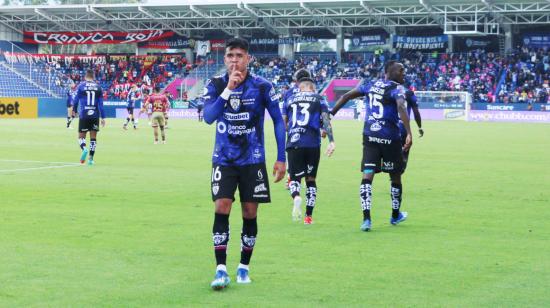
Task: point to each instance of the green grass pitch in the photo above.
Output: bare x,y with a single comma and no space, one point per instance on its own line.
135,229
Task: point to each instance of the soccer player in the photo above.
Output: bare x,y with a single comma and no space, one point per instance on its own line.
160,106
237,101
133,96
304,113
71,93
200,106
385,105
89,103
412,104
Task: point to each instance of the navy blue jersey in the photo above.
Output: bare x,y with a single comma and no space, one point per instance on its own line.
288,93
71,94
89,100
240,120
131,99
411,102
382,118
303,111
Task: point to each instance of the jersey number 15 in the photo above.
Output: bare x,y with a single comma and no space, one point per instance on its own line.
375,100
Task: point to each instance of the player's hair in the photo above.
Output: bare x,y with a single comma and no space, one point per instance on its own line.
306,79
90,74
301,73
157,89
389,64
237,43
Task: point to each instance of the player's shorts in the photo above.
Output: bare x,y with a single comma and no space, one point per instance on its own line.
382,155
251,180
157,119
303,162
130,110
88,124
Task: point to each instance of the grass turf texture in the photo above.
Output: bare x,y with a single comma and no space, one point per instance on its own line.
135,229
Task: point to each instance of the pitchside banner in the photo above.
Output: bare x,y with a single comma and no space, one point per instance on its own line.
282,40
537,40
174,42
487,43
368,40
18,107
420,42
19,57
96,37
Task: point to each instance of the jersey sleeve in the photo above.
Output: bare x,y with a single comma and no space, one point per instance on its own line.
398,92
213,103
364,87
412,101
271,100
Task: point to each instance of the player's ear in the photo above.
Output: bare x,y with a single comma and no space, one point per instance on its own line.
249,58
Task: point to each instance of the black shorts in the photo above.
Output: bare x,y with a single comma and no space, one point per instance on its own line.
303,162
130,110
251,180
382,155
86,125
405,153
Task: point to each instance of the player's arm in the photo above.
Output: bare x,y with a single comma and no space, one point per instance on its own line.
100,107
327,127
361,90
402,110
418,120
76,101
272,100
213,103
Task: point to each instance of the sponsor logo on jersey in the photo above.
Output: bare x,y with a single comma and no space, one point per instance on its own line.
295,138
248,101
259,188
375,127
219,238
379,140
95,127
235,103
260,196
91,112
243,116
257,153
240,130
215,189
309,168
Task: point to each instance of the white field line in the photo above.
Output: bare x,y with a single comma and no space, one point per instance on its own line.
65,165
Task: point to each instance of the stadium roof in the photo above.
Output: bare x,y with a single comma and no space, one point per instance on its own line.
279,17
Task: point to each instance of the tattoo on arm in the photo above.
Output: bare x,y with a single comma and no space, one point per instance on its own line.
327,126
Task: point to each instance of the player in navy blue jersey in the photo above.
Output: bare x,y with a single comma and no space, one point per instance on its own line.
305,112
237,102
89,103
382,149
131,99
71,93
412,105
299,74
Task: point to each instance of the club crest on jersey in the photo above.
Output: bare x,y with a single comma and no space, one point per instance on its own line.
235,103
375,127
215,189
295,138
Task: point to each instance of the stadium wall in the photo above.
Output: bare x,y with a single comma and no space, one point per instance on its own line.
57,108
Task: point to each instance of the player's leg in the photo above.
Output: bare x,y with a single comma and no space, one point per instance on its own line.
393,164
253,189
125,125
70,116
248,239
224,182
155,122
166,121
93,144
312,156
296,170
131,115
162,126
82,130
370,163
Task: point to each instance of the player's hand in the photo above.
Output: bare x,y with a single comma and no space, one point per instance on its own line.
234,80
420,132
408,142
279,170
330,149
102,122
323,133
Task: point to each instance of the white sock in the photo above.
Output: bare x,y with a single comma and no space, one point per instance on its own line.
221,267
242,266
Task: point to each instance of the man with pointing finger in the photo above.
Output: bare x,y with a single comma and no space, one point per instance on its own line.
237,102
